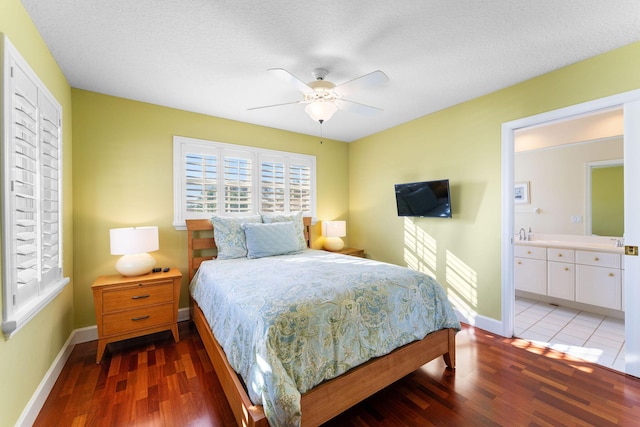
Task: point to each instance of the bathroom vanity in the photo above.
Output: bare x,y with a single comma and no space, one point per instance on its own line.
571,270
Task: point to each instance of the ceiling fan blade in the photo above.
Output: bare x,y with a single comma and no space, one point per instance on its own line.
277,105
356,107
290,79
373,79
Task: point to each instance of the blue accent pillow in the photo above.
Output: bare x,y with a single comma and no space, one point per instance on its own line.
296,218
265,240
229,235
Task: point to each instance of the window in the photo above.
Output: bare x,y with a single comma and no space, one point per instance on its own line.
32,193
224,179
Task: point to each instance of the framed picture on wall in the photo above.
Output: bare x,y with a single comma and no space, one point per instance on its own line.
521,193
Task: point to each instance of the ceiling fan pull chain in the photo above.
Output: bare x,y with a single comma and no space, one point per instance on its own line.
320,121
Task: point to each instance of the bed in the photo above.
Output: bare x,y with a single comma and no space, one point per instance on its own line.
330,397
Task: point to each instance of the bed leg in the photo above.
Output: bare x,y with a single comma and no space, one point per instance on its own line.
450,356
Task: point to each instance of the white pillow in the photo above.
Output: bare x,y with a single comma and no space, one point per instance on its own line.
229,235
270,239
295,217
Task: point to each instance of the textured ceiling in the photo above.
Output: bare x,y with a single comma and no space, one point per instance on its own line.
212,57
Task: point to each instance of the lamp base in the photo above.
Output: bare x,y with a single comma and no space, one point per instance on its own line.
135,264
333,244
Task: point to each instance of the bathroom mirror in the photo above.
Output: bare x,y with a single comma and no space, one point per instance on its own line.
562,162
605,198
560,183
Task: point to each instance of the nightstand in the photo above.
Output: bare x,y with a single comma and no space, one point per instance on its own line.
128,307
352,252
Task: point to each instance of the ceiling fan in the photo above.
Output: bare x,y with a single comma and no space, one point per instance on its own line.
323,98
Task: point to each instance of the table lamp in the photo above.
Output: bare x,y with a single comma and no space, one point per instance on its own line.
333,231
133,243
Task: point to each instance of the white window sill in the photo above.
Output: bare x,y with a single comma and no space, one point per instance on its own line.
14,323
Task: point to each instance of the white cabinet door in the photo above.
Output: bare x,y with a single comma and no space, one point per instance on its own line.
599,286
561,280
531,275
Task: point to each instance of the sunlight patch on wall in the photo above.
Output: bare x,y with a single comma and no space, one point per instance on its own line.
462,283
419,249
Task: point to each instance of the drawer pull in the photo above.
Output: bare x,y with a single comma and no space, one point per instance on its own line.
611,274
529,252
519,262
559,255
140,318
596,259
566,269
140,296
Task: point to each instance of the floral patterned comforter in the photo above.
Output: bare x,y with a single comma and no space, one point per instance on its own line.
287,323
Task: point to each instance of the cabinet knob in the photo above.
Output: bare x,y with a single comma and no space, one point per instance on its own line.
529,252
596,259
519,262
611,274
559,255
566,269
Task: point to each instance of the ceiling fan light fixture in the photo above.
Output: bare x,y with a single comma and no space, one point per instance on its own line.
321,111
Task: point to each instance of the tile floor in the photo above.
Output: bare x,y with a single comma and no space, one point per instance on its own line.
592,337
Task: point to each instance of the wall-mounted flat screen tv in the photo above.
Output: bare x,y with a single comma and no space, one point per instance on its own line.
425,199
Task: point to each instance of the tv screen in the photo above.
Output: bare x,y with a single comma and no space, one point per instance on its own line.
425,199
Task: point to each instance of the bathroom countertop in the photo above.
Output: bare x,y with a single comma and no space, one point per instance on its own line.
588,243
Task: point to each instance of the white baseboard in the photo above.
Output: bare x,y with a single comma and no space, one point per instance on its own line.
184,314
487,323
90,333
77,336
31,411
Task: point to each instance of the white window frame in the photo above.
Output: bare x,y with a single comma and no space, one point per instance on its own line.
21,300
183,146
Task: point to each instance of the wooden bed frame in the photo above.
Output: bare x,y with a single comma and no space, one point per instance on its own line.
332,397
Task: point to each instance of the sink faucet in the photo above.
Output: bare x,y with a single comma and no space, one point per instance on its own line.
522,234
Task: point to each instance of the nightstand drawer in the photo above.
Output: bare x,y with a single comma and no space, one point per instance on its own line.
141,318
138,296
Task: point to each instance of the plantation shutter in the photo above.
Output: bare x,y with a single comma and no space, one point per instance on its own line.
237,183
272,184
201,179
23,214
50,185
32,193
300,187
214,178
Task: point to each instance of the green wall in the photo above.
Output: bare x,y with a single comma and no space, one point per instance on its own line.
123,176
463,143
26,357
607,201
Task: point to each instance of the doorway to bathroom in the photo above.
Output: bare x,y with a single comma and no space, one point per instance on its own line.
543,316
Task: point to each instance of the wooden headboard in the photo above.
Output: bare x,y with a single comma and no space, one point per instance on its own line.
202,244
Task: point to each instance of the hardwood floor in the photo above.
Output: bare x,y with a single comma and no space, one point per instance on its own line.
153,381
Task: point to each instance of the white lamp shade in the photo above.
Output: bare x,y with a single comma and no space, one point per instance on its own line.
333,231
334,228
133,243
134,240
321,111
